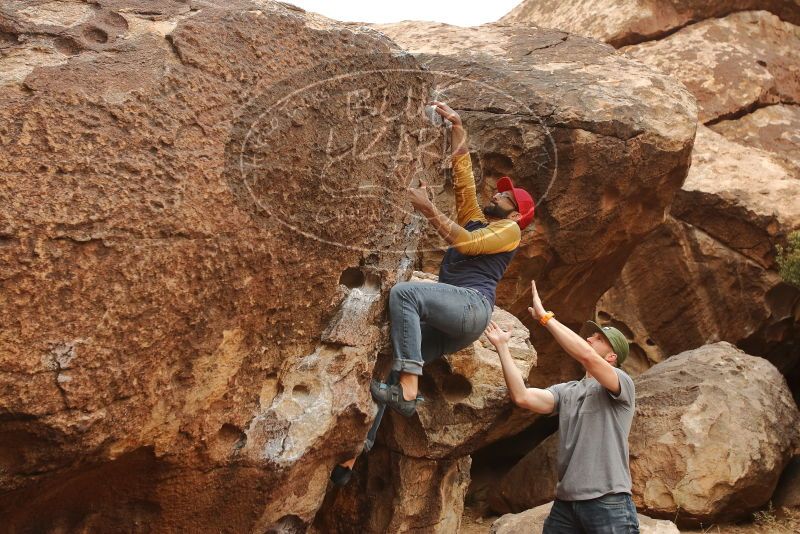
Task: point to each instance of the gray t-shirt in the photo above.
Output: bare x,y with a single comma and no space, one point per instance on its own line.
593,444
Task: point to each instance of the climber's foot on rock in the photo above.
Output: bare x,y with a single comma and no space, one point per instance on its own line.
393,397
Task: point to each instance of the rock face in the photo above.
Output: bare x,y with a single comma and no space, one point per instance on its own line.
391,492
185,256
697,408
625,22
532,522
774,129
715,256
731,65
531,482
709,274
601,142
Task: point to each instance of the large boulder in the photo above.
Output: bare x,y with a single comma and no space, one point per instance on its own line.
532,521
714,428
708,274
602,143
625,22
774,129
529,483
193,266
731,65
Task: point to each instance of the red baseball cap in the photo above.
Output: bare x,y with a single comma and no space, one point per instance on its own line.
523,198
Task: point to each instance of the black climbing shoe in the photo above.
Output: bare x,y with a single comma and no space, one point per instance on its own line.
392,396
341,475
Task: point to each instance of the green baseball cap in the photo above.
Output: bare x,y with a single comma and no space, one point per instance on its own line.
616,338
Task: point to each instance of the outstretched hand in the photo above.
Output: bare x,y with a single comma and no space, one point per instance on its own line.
446,112
496,335
537,309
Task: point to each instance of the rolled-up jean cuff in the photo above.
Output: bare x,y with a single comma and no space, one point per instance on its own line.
412,367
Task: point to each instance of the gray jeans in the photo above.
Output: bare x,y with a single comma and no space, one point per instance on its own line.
429,320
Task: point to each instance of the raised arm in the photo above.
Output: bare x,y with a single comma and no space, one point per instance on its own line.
467,207
577,347
533,399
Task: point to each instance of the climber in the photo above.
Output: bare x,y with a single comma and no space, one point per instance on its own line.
429,320
593,493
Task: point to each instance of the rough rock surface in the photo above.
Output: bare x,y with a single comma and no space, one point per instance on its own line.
625,22
731,65
714,428
775,129
532,522
391,492
715,258
531,482
601,142
787,494
175,238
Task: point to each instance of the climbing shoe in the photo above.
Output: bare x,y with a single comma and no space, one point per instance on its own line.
392,396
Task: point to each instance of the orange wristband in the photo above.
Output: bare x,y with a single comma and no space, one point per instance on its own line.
546,317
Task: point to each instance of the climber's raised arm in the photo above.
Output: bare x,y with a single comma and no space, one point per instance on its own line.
467,207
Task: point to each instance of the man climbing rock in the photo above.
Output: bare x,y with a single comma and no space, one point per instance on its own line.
593,494
429,320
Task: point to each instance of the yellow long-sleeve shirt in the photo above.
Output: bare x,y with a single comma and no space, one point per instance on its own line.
497,236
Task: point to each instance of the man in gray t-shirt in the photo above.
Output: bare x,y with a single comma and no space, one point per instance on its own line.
593,494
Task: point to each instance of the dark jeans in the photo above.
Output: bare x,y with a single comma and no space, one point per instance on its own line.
429,320
610,514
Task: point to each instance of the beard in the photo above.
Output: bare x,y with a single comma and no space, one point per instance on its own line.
496,212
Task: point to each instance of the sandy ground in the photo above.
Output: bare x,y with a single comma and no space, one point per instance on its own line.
782,521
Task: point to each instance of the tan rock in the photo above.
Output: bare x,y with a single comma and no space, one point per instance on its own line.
774,129
397,493
531,482
714,428
731,64
602,143
625,22
532,522
186,259
709,273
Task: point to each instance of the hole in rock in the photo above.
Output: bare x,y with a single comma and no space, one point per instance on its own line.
650,342
300,392
288,524
231,436
95,35
352,277
67,46
603,316
455,388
